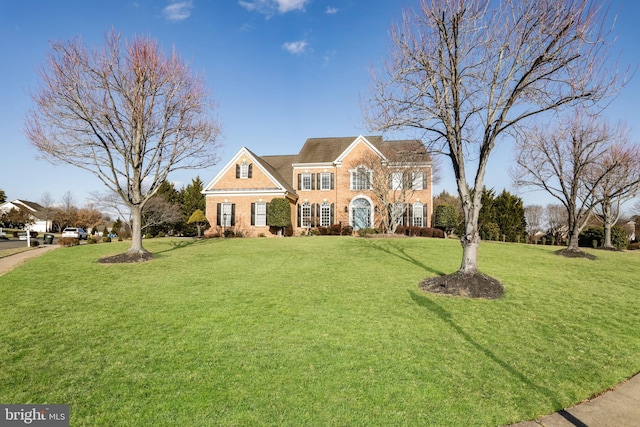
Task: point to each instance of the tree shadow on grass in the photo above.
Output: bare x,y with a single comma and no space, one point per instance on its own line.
446,318
181,244
386,246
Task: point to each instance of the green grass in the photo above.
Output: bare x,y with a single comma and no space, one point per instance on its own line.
313,331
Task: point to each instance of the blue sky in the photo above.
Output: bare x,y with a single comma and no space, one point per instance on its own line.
280,71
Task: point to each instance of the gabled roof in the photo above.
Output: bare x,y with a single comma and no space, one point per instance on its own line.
35,209
327,150
275,170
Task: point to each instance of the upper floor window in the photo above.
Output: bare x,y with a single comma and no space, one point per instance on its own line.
418,181
244,170
307,181
361,178
326,181
395,183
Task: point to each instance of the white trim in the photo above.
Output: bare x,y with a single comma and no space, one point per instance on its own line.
242,152
358,140
368,199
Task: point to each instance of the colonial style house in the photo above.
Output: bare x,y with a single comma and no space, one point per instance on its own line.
330,181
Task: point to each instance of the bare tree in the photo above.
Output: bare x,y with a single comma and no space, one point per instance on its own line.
466,72
621,184
159,211
66,215
566,161
129,113
556,217
394,182
534,216
47,203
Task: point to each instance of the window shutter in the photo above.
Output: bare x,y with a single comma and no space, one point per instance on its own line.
299,181
313,214
253,214
391,181
250,172
219,214
299,215
424,215
410,215
233,214
424,181
318,178
237,171
313,182
332,180
331,215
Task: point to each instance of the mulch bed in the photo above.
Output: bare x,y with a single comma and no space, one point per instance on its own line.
126,258
465,285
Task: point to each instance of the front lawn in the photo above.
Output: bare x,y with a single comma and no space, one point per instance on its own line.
314,331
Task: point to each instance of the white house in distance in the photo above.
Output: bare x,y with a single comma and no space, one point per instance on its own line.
42,222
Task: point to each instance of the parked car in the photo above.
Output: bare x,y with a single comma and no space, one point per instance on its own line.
75,233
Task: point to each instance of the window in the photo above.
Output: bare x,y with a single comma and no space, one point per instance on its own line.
243,170
361,179
325,215
398,214
226,214
326,181
396,180
306,181
305,215
418,215
418,181
259,214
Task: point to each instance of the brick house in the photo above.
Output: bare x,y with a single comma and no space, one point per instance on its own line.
330,181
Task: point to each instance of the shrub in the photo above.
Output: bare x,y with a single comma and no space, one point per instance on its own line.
347,230
106,239
229,233
367,231
68,241
591,234
160,234
633,246
323,231
34,243
91,241
335,230
120,239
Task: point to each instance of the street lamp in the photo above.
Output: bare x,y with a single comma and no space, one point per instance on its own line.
224,223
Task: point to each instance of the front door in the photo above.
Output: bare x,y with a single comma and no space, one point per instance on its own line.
360,214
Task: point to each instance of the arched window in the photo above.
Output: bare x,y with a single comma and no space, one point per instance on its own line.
325,214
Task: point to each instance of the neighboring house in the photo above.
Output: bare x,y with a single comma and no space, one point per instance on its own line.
328,182
40,215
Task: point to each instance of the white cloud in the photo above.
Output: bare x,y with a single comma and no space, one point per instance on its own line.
270,7
178,11
331,10
296,48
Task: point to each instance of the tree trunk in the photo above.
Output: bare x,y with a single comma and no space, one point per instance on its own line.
573,240
136,230
608,223
470,243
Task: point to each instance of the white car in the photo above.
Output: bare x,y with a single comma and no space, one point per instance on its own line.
75,233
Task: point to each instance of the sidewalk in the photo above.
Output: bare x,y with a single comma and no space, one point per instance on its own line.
10,262
618,407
